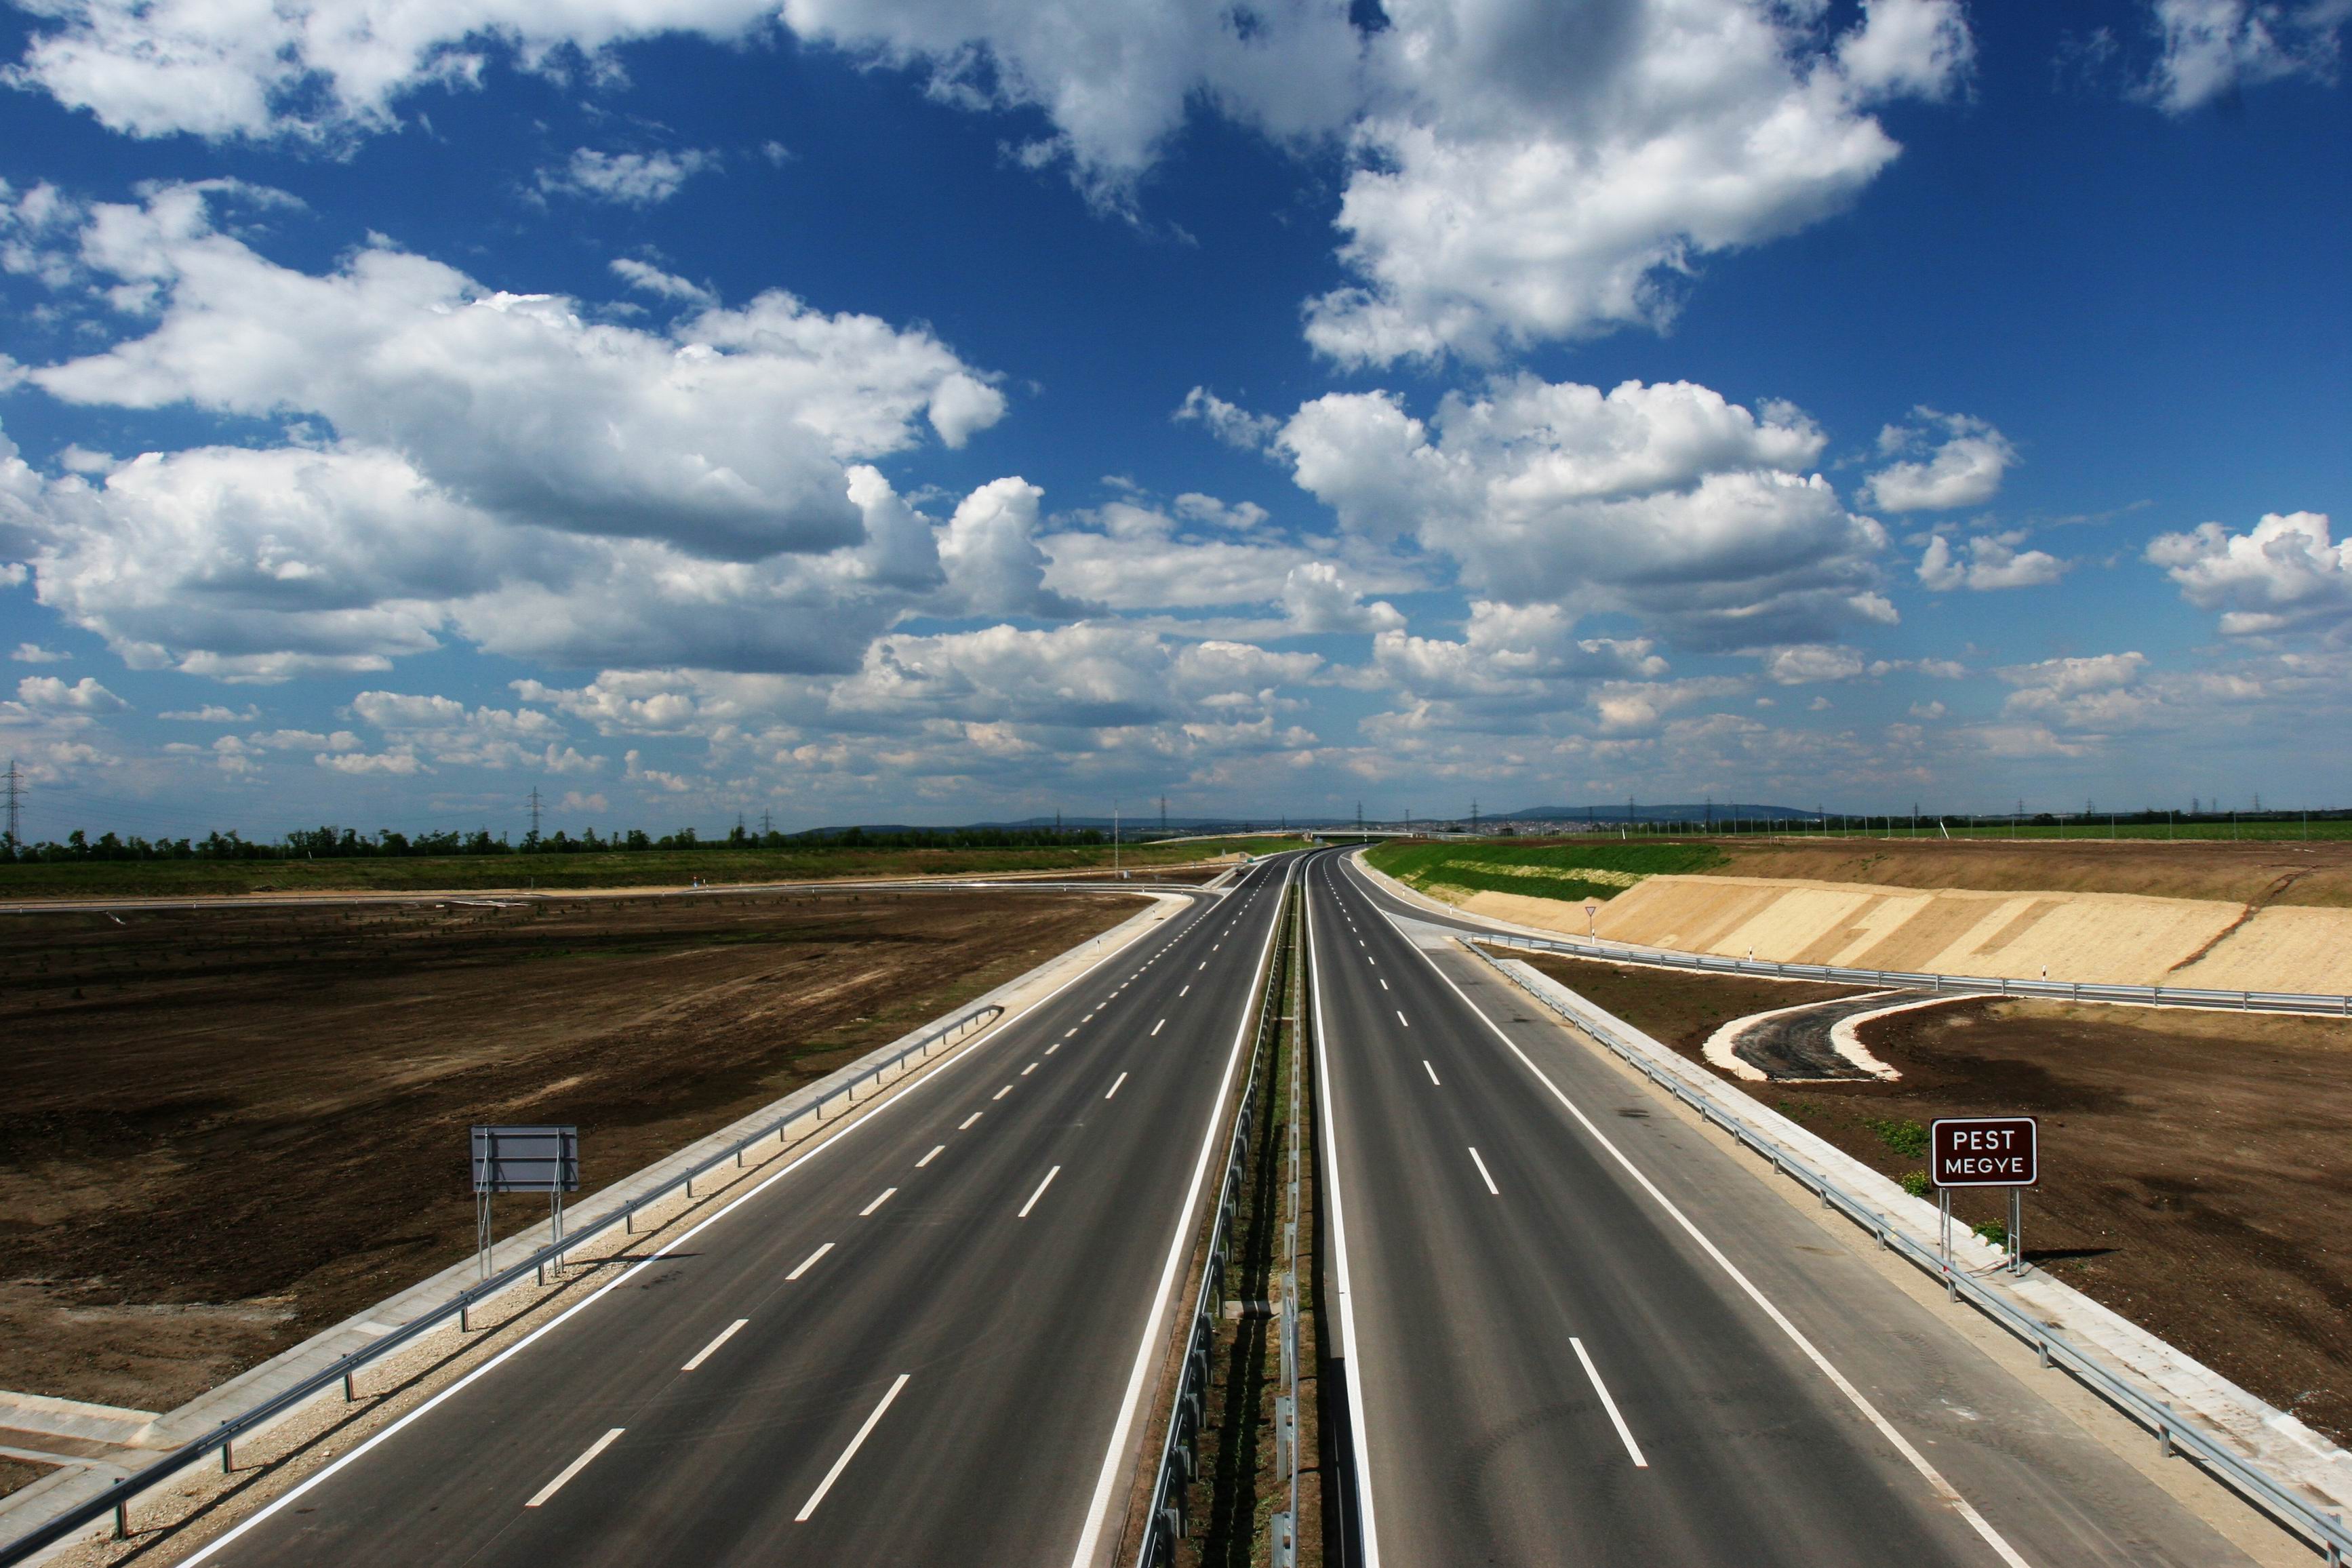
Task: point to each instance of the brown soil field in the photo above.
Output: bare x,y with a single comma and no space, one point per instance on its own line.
226,1129
2314,874
2193,1164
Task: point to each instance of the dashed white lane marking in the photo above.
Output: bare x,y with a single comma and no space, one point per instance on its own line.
965,1126
1403,1020
1111,1091
575,1466
1028,1070
1609,1405
1483,1176
1067,1033
1188,986
877,1202
1157,1027
1001,1092
729,1332
809,1261
848,1453
1426,1067
1054,1047
1039,1192
1384,985
1204,964
927,1159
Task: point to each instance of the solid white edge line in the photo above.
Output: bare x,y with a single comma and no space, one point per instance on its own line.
849,1453
1609,1405
574,1467
1426,1067
1372,1542
1039,1192
1179,1255
810,1262
1934,1478
729,1332
877,1203
927,1159
1114,1088
649,1261
1489,1180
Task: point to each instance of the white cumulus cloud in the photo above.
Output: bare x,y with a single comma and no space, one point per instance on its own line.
2283,572
2211,48
1964,468
1987,561
626,178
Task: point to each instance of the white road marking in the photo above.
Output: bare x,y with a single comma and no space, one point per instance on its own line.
965,1126
575,1466
729,1332
1609,1405
1001,1092
807,1261
1426,1067
1114,1088
1403,1020
1054,1047
1188,986
1041,1190
1919,1461
849,1453
927,1159
1157,1027
888,1190
1489,1180
1384,985
1028,1070
1204,963
1067,1033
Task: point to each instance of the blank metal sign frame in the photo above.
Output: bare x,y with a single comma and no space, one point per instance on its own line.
526,1159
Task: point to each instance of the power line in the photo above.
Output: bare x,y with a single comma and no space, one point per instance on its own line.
16,790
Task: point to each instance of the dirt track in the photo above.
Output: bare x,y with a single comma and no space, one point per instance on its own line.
227,1129
2194,1164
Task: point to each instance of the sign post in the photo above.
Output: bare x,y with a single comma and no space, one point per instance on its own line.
1590,911
1984,1151
523,1159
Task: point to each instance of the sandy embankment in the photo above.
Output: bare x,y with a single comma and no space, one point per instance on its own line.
2108,937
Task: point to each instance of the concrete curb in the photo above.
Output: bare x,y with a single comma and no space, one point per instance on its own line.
31,1506
2293,1454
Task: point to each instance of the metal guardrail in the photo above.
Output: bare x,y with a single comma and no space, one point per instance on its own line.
117,1500
2322,1530
1944,985
1165,1524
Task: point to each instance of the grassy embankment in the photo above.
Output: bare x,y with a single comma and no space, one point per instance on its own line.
1575,871
652,868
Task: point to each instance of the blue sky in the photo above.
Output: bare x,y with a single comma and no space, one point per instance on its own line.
934,409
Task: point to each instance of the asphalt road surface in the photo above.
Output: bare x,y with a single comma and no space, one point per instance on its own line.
923,1342
1576,1331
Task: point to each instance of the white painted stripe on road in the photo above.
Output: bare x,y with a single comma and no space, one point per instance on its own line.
877,1202
1426,1067
849,1453
1114,1088
1483,1176
1039,1192
1028,1070
927,1159
1609,1405
1403,1020
1934,1478
808,1260
729,1332
1054,1047
575,1466
1067,1033
1001,1092
965,1126
1157,1027
1384,985
1188,986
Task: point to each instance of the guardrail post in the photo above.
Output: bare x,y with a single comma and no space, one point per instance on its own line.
350,1396
228,1462
122,1517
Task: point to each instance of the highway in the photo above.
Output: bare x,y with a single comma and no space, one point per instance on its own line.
926,1340
1573,1330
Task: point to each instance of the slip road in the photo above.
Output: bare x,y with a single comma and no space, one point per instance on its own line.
917,1343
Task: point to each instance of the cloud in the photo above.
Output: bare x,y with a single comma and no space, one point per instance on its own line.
2212,48
33,653
1666,502
1964,470
213,713
2285,572
989,552
1994,561
652,280
1807,663
47,694
1229,423
447,732
626,178
1316,597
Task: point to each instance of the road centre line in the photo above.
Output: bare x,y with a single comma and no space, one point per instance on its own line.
965,1126
729,1332
1114,1088
1039,1192
1067,1032
848,1453
1056,1046
927,1159
1157,1027
1384,985
1489,1180
1001,1092
1426,1067
1403,1020
1028,1070
809,1261
1609,1405
575,1466
877,1203
1188,986
1919,1461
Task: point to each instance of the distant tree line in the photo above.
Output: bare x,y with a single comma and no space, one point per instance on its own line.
349,844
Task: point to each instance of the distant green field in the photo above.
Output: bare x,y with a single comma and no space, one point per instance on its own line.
644,868
1573,871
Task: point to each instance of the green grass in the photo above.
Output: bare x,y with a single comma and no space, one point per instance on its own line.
654,868
1542,871
1917,1184
1908,1139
